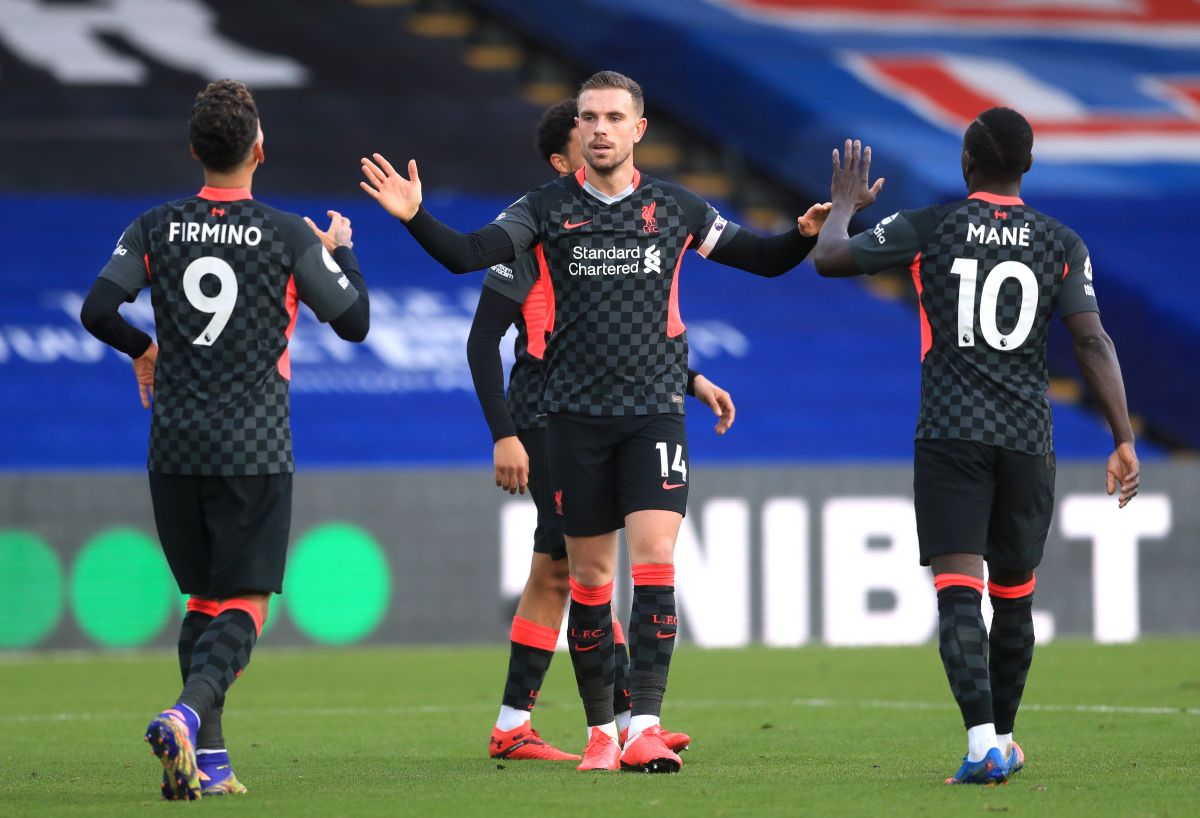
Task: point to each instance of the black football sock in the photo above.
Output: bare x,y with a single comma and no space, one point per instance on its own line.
528,660
194,623
963,643
652,627
1011,650
622,701
220,655
200,613
590,639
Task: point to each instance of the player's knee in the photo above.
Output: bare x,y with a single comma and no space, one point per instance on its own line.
256,605
592,574
550,580
1008,578
970,565
654,550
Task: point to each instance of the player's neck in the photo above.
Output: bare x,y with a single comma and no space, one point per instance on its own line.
240,179
611,181
1009,189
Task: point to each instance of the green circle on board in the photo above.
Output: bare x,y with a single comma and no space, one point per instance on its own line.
338,584
121,590
31,589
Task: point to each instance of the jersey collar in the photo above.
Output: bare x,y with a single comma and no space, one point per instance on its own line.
992,198
581,178
223,194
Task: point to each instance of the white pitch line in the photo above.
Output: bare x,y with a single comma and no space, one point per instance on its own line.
442,709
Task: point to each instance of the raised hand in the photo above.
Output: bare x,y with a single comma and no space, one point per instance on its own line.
850,182
813,219
339,232
399,196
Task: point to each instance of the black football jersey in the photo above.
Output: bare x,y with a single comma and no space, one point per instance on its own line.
618,345
226,274
990,271
525,282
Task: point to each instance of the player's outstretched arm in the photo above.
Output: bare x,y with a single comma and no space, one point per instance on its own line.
850,193
716,398
493,316
457,252
772,256
1097,357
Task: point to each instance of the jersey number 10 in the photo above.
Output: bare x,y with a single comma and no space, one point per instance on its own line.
219,306
967,269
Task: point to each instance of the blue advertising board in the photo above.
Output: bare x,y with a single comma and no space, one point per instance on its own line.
820,370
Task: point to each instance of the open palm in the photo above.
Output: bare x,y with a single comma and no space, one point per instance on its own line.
399,196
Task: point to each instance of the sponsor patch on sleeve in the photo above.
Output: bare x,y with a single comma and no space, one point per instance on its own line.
879,233
714,235
500,271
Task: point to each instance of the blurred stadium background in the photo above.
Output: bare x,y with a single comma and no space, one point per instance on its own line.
800,528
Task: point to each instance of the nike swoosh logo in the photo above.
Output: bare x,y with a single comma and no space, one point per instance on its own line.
571,226
669,486
582,648
662,635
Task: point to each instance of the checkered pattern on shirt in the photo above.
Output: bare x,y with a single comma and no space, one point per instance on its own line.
994,396
220,409
518,281
610,353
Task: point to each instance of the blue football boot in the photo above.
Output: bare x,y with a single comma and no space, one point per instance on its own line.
990,770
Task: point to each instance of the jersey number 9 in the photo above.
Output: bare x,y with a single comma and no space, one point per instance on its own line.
220,305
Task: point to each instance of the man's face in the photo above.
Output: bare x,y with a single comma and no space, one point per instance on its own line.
609,127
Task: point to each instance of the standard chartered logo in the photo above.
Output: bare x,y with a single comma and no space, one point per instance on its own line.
653,259
118,590
613,261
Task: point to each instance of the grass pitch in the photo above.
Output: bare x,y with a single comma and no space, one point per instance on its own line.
1108,730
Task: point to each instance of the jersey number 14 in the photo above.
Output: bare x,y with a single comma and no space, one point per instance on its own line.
967,269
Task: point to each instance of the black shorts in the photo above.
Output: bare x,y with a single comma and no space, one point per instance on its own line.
224,535
604,468
548,536
972,498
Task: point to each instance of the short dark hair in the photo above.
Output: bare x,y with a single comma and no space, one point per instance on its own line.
223,125
1000,141
611,79
554,130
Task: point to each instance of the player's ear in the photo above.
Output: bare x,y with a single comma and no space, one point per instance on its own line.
641,130
192,151
560,164
260,154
